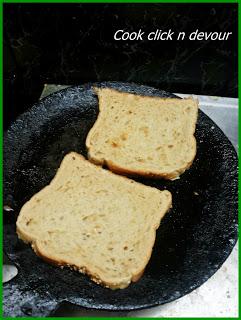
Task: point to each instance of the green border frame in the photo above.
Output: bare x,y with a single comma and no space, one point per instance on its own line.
1,121
119,1
1,154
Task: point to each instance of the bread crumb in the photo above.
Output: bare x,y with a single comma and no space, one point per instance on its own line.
7,208
114,144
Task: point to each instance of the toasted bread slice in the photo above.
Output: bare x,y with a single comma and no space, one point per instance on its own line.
141,135
94,221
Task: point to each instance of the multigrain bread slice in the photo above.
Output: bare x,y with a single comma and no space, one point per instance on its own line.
141,135
94,221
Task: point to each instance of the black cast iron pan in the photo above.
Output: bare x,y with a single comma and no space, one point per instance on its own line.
194,238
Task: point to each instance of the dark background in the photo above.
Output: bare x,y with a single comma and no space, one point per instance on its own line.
73,44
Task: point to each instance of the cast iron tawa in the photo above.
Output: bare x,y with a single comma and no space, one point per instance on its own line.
194,238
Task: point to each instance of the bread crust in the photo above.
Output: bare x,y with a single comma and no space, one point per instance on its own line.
172,175
84,269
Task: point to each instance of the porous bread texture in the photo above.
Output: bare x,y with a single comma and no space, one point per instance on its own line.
141,135
94,221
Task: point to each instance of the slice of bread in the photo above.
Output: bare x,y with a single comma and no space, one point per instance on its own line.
141,135
94,221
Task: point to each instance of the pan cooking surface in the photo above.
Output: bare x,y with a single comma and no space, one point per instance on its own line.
194,238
